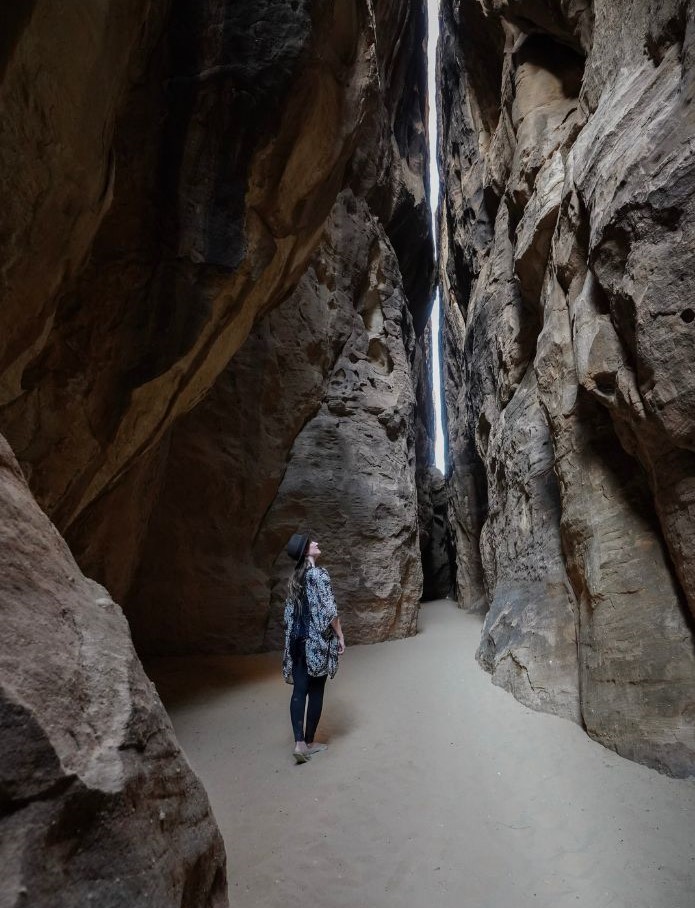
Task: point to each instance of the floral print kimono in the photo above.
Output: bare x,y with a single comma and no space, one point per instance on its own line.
321,642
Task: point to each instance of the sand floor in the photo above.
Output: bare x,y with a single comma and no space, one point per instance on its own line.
438,789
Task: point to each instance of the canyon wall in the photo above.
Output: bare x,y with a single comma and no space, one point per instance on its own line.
311,425
217,270
97,802
568,277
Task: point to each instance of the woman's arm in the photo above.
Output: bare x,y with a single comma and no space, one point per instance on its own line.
322,603
335,624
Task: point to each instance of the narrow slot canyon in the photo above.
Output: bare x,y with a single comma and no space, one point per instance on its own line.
438,787
238,260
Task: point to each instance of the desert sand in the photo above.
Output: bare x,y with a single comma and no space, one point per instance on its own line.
438,788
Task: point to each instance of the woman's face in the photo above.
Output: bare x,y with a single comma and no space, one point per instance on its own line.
314,550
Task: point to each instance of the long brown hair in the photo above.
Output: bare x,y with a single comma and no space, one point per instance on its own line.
295,585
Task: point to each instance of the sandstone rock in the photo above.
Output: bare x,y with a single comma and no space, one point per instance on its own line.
180,178
569,21
205,577
322,437
567,263
638,198
57,155
536,227
467,486
211,225
436,546
97,802
435,536
529,640
212,162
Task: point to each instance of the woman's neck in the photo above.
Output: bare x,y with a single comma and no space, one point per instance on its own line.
311,560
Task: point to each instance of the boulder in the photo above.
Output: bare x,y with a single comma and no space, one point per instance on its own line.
97,801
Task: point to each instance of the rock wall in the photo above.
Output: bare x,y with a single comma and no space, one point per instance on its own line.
436,549
312,422
218,152
97,802
567,270
311,425
435,539
203,227
216,274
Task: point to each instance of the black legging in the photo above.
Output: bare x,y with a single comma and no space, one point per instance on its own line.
305,686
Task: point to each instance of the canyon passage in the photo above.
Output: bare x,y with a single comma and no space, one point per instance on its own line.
437,787
218,270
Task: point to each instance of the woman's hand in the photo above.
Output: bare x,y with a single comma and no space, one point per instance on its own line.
337,629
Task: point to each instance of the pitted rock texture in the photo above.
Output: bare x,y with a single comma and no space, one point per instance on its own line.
197,571
151,222
204,227
186,182
435,536
97,802
567,269
310,426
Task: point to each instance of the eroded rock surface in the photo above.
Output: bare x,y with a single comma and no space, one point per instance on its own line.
97,802
217,265
311,425
198,186
203,225
313,421
567,269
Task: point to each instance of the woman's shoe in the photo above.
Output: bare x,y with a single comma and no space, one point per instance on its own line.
316,748
301,756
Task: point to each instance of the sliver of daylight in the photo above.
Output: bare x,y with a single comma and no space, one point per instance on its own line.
432,39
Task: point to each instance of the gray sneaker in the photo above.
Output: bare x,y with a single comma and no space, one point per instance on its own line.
300,756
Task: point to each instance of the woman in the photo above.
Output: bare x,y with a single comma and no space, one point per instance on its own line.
313,642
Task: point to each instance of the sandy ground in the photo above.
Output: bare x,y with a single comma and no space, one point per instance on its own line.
438,788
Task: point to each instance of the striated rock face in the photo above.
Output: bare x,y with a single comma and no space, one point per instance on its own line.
202,226
198,185
311,425
435,536
567,268
217,266
312,422
96,799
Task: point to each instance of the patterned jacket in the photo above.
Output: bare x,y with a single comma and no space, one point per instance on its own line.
321,642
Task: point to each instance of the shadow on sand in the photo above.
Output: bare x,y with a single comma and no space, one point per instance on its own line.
187,680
